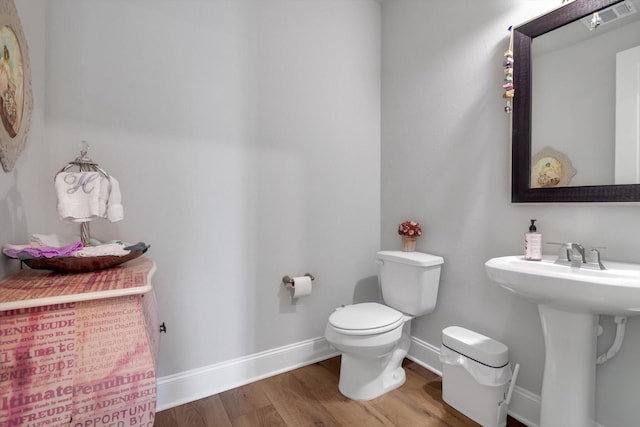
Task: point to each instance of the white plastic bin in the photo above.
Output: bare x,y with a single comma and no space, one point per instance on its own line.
476,375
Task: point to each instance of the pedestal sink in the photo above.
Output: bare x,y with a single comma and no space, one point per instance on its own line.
569,299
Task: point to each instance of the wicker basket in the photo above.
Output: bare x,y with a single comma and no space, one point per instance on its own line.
408,243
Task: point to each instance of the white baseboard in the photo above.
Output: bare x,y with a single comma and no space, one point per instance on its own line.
524,406
184,387
425,355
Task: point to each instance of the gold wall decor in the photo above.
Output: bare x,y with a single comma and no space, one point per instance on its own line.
16,97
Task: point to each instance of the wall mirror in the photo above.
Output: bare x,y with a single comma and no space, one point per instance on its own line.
576,114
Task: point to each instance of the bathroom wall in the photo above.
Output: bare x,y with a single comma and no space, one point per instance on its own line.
246,139
20,198
446,163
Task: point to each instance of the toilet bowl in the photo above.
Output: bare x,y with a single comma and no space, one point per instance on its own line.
375,338
372,349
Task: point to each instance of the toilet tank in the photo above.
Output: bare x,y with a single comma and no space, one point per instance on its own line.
409,280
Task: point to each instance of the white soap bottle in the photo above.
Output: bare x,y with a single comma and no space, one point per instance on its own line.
532,243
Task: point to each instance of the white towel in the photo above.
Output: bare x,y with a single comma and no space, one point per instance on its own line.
79,196
115,211
114,249
105,188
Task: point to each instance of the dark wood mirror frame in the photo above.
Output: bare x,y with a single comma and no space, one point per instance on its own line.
521,133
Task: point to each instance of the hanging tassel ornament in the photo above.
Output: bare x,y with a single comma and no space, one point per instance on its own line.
509,91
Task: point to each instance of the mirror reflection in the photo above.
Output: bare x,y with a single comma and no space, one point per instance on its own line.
585,101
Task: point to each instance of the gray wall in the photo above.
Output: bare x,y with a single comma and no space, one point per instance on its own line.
21,200
246,139
446,163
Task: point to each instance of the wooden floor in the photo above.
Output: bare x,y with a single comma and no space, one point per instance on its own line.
309,396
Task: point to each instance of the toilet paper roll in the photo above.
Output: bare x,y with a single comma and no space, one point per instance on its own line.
301,286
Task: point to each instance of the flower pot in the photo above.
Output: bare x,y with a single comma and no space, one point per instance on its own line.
408,243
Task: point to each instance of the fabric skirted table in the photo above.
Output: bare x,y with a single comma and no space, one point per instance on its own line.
79,349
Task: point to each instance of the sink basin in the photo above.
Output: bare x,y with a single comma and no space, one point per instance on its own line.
569,299
615,291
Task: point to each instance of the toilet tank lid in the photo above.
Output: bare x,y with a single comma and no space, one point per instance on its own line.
476,346
412,258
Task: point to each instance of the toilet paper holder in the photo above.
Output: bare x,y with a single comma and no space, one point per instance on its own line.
290,283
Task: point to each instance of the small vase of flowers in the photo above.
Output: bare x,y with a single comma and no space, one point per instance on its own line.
409,231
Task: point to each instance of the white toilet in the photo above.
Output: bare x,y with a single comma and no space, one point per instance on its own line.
375,338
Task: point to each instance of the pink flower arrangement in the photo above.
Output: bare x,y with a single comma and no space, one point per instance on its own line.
410,229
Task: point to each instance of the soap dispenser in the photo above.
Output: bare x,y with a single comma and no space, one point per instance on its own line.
533,243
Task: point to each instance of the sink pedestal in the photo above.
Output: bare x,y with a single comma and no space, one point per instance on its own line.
569,382
570,301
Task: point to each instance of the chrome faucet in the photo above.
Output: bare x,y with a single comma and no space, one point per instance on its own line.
594,260
574,255
580,259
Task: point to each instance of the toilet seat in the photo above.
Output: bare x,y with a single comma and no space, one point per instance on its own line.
367,318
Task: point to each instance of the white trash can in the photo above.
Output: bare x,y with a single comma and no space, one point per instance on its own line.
476,376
